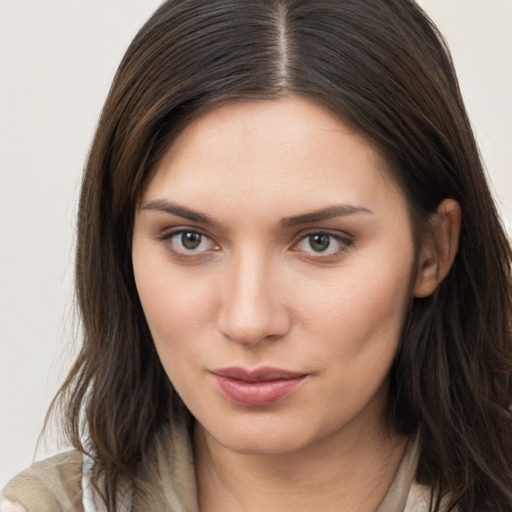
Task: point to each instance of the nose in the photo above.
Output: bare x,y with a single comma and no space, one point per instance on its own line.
253,308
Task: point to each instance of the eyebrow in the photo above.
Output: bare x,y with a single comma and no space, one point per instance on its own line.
181,211
329,212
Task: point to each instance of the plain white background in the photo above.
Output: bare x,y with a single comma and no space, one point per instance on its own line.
57,59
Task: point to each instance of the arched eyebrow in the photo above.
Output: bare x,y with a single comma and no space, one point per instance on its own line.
329,212
163,205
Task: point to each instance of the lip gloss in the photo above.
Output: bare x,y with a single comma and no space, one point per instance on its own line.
260,387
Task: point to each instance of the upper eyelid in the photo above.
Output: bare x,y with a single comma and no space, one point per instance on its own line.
169,232
332,232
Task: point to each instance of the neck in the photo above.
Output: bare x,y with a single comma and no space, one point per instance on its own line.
347,473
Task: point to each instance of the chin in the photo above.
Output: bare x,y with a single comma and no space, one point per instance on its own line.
259,434
263,444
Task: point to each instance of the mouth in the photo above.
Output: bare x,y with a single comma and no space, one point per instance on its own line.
259,387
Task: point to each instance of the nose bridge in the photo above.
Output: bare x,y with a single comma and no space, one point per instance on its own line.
251,310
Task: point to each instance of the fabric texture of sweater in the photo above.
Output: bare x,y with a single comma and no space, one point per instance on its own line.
62,483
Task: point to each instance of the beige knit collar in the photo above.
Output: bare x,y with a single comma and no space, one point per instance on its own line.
167,477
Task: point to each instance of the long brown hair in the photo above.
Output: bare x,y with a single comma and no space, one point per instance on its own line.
385,69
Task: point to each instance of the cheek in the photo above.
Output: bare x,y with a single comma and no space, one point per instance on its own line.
381,298
364,312
361,327
171,309
173,312
175,304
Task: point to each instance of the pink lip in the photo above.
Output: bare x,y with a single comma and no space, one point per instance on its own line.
262,386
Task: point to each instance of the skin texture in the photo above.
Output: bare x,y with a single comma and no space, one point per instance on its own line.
252,290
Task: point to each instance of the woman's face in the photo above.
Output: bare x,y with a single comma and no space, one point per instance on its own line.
274,258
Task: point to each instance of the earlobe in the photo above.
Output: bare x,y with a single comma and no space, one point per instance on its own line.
438,252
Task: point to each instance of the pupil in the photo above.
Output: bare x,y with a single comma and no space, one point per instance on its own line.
319,242
191,240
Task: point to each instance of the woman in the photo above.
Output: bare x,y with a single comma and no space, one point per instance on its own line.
294,286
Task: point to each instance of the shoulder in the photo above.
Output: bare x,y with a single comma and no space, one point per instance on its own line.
9,506
46,486
418,499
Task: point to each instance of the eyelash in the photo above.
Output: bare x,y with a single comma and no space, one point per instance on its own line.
167,239
344,244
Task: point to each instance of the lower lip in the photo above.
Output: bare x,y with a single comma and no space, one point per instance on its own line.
252,394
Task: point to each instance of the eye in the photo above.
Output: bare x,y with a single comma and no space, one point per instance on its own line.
187,242
323,244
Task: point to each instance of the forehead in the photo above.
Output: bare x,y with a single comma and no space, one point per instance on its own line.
290,152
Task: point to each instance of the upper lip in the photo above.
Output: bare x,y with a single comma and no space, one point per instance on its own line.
257,375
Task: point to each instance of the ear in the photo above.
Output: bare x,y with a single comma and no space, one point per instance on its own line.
438,251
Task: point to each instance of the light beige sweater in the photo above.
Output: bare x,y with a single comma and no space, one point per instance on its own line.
61,483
